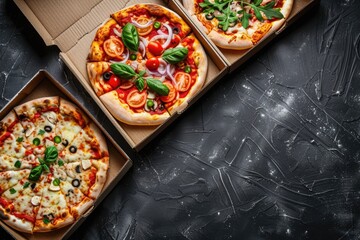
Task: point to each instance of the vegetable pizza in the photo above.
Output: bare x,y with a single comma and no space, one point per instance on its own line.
53,165
145,64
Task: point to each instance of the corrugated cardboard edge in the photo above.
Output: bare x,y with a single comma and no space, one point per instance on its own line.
26,90
39,27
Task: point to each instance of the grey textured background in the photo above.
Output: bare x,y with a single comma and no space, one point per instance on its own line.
271,152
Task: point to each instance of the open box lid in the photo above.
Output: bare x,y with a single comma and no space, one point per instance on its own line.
64,22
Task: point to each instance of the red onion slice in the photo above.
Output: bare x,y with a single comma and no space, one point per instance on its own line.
170,71
168,40
117,33
162,66
138,25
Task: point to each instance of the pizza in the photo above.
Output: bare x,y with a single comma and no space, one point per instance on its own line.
145,64
239,24
53,164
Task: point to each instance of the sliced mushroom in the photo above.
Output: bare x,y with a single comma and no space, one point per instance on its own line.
35,200
30,128
49,143
59,173
51,117
70,173
54,188
151,95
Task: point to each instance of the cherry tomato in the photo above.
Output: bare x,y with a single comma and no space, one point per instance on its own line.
152,63
136,99
172,93
155,48
114,81
144,31
113,47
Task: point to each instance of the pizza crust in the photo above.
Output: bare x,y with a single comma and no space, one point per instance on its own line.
15,222
95,72
102,167
100,139
123,113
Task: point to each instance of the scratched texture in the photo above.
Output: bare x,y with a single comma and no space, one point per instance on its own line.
271,152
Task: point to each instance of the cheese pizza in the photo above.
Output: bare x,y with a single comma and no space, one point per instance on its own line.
53,165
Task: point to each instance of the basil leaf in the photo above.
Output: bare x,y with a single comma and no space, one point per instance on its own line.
45,168
35,173
130,37
51,154
140,84
123,70
157,86
175,55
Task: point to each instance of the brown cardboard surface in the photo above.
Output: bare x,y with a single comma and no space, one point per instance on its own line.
235,58
44,85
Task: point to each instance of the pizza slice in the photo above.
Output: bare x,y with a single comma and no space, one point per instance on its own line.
53,211
21,203
10,178
107,44
71,120
38,118
12,136
87,175
88,144
13,163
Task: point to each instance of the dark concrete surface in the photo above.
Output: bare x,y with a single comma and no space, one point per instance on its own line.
270,152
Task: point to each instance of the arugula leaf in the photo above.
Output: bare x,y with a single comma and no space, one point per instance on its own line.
227,18
244,18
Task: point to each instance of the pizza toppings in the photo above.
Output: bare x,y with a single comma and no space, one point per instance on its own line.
156,48
35,200
75,183
72,149
35,183
130,37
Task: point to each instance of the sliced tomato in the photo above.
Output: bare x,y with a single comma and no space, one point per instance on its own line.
155,48
24,216
152,63
113,47
126,85
114,81
144,31
172,93
183,81
136,99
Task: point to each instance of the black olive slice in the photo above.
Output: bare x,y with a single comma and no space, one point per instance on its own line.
73,149
70,191
75,183
176,30
33,185
65,142
47,128
209,16
77,169
107,76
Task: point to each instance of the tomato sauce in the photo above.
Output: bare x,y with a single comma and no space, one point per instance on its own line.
24,216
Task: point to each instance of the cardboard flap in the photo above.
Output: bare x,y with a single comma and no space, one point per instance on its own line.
65,22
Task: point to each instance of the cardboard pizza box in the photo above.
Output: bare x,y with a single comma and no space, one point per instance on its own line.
71,25
235,58
43,85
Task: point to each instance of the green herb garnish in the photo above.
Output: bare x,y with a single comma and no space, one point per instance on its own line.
175,55
130,37
228,17
56,182
51,155
17,164
12,190
26,185
19,139
41,132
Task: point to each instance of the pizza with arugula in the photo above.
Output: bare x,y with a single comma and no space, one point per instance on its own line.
239,24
